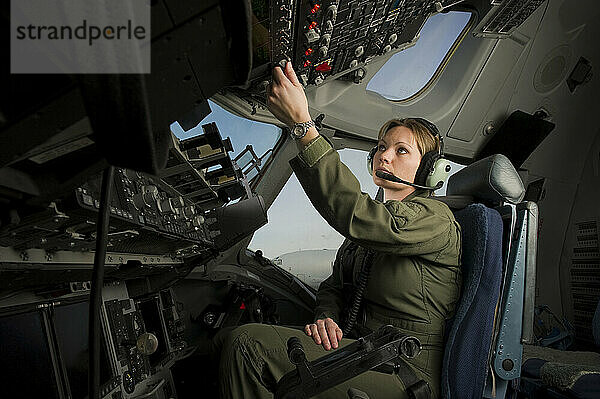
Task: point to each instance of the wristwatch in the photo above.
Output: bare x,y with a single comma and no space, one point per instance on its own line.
299,130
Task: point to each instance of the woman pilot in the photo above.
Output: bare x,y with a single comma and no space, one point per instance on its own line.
411,243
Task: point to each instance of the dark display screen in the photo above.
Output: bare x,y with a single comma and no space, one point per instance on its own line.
26,363
151,314
71,326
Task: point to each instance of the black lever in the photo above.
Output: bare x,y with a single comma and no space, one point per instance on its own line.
386,345
298,358
296,351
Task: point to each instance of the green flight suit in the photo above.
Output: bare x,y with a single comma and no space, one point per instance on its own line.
414,282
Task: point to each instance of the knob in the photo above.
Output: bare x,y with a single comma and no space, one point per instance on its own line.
323,52
328,25
209,319
178,202
318,80
179,214
189,211
282,62
410,347
198,220
144,199
295,351
359,51
325,39
331,11
165,206
387,48
312,35
150,190
353,63
147,343
393,37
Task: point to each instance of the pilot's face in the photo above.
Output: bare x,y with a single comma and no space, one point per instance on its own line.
398,154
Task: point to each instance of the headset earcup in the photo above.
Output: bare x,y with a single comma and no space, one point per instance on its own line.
427,164
441,171
370,160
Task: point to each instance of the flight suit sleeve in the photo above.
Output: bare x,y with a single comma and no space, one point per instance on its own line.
415,227
330,300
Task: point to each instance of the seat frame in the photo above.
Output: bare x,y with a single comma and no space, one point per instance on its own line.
514,319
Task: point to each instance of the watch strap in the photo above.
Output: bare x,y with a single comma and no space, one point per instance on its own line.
303,127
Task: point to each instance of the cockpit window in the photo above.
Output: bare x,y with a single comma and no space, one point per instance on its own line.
295,225
252,142
410,71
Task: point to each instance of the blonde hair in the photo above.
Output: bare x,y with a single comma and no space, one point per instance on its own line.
426,141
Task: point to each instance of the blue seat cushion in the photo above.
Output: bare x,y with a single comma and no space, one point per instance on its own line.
469,335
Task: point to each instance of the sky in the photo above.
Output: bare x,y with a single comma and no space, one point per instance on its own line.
408,71
294,224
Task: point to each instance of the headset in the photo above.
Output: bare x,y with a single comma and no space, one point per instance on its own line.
433,169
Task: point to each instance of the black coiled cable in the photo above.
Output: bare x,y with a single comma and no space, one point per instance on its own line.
363,278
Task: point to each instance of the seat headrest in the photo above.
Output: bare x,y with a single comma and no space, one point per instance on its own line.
490,180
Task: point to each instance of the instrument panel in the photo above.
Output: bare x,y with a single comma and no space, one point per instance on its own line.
146,338
333,37
166,214
326,39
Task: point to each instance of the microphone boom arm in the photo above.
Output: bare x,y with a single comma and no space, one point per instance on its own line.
392,178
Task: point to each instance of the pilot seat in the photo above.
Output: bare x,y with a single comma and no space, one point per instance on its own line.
495,314
515,365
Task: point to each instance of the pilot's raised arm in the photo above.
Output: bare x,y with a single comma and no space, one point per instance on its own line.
409,228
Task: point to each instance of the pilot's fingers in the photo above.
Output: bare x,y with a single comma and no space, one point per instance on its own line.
331,333
268,90
291,75
307,330
315,334
323,333
339,333
278,76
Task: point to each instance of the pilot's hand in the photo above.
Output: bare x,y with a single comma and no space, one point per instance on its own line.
286,98
325,332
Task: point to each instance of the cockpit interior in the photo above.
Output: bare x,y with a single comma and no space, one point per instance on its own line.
140,214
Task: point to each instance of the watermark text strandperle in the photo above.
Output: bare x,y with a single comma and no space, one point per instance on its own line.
81,32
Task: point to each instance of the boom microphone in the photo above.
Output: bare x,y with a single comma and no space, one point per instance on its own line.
392,178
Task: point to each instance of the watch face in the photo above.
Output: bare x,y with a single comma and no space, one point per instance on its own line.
298,130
